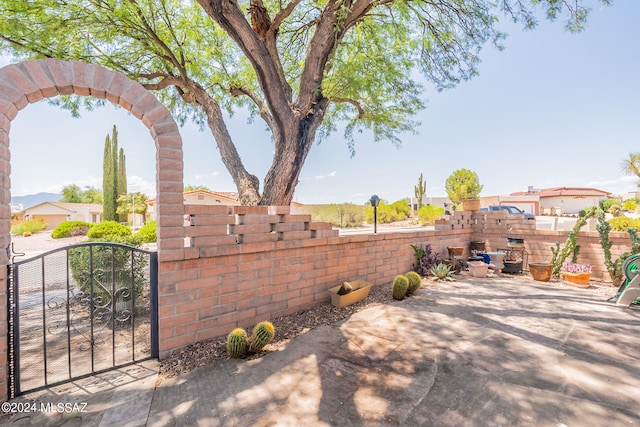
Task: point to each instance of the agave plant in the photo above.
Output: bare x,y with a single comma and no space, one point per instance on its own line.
442,271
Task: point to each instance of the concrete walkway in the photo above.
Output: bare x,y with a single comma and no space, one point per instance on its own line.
499,351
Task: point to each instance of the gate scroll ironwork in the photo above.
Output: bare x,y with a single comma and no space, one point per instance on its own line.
78,311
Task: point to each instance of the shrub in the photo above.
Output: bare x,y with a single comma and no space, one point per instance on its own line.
623,223
605,205
397,211
32,226
463,184
70,229
425,258
630,205
429,213
109,228
110,264
147,234
343,215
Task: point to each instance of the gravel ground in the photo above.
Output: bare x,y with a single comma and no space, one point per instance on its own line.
41,242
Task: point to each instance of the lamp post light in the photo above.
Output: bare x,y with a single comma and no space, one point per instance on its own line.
375,201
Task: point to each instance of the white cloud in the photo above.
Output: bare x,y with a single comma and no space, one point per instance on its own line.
621,185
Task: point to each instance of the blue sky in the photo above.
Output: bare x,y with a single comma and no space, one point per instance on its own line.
552,109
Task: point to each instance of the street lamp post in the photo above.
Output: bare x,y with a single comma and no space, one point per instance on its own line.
375,201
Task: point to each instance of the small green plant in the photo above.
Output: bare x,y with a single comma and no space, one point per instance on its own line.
70,229
147,234
399,287
262,335
442,272
425,258
414,282
237,343
32,226
109,228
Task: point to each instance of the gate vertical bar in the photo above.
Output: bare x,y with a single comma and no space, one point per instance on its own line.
91,304
133,306
153,303
44,321
68,316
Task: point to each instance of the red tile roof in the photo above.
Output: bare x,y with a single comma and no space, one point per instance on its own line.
564,191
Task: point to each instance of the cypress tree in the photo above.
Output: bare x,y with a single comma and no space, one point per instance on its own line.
122,180
110,177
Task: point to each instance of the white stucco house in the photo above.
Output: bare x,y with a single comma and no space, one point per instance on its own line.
564,200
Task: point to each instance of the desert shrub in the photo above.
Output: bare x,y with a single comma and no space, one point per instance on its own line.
630,205
32,226
344,215
623,223
429,213
397,211
109,228
402,208
147,234
107,265
70,229
605,205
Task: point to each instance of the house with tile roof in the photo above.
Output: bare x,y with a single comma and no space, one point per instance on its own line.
564,200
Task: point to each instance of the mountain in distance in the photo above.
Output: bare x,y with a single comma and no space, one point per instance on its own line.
35,199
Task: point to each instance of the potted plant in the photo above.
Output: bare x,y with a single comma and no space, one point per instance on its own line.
576,274
463,186
541,271
349,293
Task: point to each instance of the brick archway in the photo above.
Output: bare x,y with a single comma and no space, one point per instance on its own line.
31,81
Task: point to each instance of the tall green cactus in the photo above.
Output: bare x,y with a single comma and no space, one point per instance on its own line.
414,282
399,287
262,335
420,190
237,343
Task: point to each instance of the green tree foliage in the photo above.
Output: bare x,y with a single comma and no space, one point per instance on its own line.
109,186
73,194
419,191
428,214
304,67
114,179
132,203
462,184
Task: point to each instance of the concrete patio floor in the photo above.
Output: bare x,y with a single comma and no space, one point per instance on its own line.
500,351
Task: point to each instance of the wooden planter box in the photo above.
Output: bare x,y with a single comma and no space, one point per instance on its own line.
360,291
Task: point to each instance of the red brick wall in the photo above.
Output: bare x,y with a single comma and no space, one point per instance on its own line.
242,265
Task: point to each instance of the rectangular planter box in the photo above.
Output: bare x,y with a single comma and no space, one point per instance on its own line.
360,291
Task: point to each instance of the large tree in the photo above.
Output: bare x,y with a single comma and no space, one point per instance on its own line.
304,67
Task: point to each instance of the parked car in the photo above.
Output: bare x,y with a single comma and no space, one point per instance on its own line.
510,209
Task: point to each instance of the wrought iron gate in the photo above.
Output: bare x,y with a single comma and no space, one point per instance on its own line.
78,311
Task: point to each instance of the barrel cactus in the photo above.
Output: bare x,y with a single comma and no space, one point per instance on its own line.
400,286
414,282
237,343
262,335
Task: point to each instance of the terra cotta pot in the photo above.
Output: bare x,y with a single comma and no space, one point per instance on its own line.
541,271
